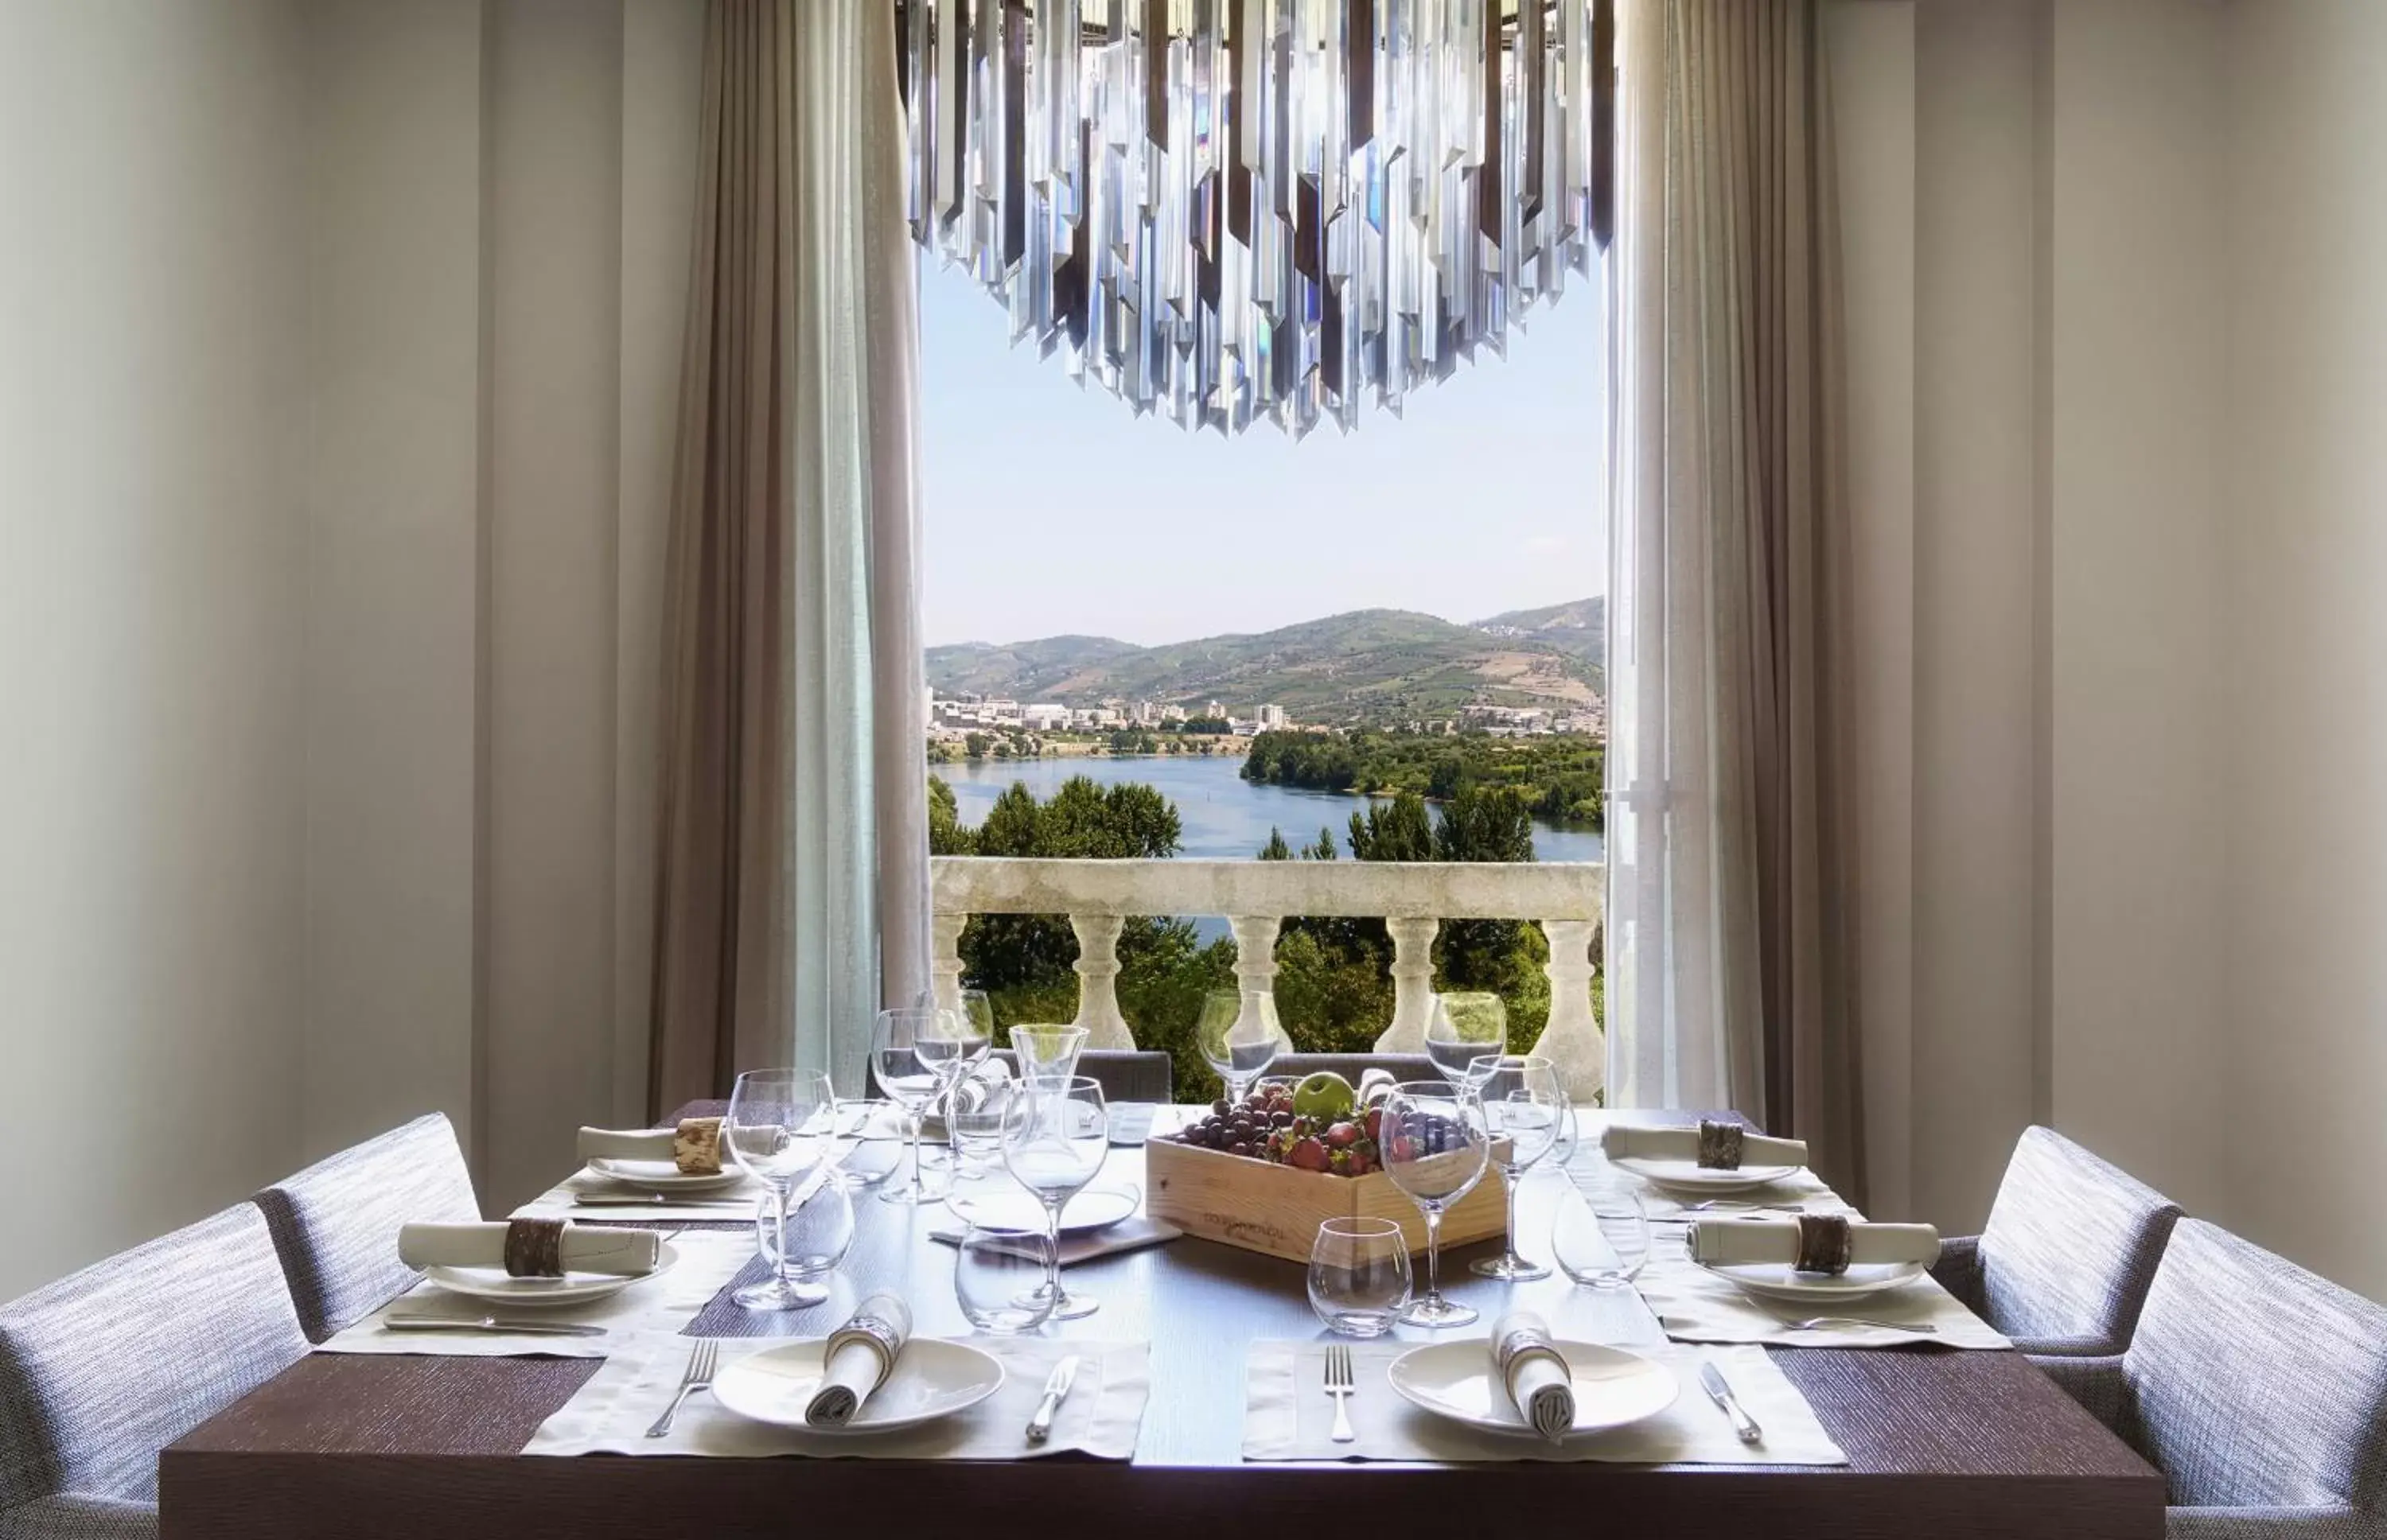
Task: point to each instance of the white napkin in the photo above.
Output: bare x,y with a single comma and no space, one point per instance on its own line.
1727,1243
1627,1142
1537,1377
859,1357
625,1253
625,1144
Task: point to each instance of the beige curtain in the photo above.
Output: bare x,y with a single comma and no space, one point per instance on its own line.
1731,935
793,870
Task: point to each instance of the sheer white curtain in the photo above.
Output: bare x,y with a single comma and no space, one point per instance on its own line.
1730,947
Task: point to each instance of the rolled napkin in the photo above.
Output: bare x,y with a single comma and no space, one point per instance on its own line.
1537,1374
694,1146
1701,1144
1812,1242
1375,1085
519,1245
859,1357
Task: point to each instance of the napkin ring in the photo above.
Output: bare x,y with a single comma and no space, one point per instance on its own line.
535,1248
878,1332
1824,1241
1719,1145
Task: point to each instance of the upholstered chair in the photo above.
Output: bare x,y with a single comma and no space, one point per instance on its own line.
1125,1075
2064,1262
335,1223
2258,1389
102,1368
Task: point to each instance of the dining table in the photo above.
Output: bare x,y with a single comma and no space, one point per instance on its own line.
1939,1443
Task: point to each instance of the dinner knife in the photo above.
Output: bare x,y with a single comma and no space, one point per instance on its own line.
654,1200
1064,1374
497,1325
1712,1379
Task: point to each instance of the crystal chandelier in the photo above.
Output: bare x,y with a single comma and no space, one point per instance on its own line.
1237,210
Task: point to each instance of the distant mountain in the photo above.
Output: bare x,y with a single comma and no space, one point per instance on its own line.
1580,628
1369,665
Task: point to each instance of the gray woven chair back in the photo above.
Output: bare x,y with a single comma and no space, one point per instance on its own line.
2254,1383
2071,1244
105,1367
1401,1067
1125,1074
335,1223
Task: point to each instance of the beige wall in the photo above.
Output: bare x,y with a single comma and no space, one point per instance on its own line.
153,411
2300,707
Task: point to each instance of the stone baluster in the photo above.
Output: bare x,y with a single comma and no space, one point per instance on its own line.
1098,968
1254,950
1412,985
1573,1041
945,958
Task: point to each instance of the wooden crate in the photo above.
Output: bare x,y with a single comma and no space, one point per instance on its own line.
1276,1209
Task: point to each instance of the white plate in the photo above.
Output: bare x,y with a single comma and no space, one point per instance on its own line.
1612,1387
573,1288
1689,1176
1780,1281
1095,1208
932,1379
662,1176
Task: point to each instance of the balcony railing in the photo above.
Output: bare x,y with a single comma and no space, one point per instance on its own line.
1255,897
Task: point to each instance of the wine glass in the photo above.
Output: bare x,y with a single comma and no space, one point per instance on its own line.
819,1233
1048,1054
778,1130
1434,1145
1602,1234
999,1273
912,1050
1240,1037
978,1027
1053,1140
1359,1275
1525,1109
1460,1029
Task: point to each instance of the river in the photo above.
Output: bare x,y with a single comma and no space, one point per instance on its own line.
1224,817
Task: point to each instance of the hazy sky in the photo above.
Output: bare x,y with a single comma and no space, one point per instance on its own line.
1052,509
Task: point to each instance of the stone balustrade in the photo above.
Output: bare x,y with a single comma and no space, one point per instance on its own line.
1255,897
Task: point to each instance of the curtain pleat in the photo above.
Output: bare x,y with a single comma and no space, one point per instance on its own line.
1731,950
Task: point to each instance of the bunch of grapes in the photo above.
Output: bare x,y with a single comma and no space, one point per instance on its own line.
1264,1127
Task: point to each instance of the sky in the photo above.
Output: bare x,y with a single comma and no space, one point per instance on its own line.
1053,509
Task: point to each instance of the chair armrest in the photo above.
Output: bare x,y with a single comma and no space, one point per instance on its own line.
84,1518
1959,1269
2266,1523
2096,1384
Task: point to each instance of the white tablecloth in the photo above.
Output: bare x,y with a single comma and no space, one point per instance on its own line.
1101,1417
1288,1416
664,1304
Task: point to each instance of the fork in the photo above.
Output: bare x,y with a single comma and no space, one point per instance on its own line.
1816,1323
1340,1382
700,1364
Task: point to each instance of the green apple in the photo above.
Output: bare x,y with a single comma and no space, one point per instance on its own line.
1325,1096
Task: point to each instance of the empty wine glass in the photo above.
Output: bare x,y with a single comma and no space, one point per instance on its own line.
1434,1145
974,1124
911,1051
1359,1275
999,1273
819,1233
778,1130
1602,1236
1525,1109
978,1035
1461,1028
1048,1054
1054,1142
1240,1037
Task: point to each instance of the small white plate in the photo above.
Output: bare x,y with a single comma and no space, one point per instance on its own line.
1095,1208
1780,1281
1689,1176
932,1379
573,1288
662,1176
1612,1387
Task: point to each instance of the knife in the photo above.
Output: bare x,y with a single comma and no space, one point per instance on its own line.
1712,1379
1064,1374
497,1325
653,1200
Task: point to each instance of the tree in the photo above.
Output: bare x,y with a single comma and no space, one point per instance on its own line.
1276,848
1505,956
946,835
974,745
1397,830
1323,850
1084,821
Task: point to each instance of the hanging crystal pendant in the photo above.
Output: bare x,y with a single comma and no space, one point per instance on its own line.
1230,211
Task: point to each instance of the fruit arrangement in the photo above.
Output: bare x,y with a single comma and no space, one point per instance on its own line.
1316,1126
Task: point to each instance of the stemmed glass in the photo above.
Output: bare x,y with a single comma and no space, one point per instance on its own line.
914,1055
978,1022
1054,1137
1240,1037
778,1130
1434,1144
1463,1028
1524,1105
1048,1054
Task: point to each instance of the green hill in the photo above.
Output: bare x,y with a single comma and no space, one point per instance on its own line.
1580,628
1369,666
